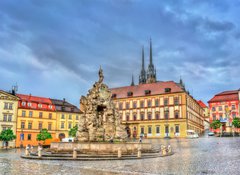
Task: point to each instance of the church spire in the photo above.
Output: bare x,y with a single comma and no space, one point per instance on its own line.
151,72
142,76
132,84
151,62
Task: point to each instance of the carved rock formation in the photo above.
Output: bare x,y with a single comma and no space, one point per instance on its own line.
100,120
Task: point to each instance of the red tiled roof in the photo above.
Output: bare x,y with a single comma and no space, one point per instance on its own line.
225,96
200,102
139,90
30,98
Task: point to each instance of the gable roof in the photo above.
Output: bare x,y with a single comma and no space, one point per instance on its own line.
64,106
9,94
36,99
225,96
202,104
139,90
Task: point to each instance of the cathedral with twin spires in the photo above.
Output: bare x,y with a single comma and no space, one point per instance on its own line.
150,75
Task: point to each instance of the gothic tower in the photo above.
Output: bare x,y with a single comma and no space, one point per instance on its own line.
151,71
142,76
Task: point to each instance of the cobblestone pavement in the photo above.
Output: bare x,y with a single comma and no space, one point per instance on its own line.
194,156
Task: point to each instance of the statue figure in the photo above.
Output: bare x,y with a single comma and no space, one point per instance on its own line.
100,119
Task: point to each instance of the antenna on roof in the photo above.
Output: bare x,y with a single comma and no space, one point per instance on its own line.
14,89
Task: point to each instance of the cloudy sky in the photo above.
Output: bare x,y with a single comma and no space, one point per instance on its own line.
53,48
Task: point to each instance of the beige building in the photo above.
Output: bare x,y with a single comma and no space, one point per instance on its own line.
8,113
157,110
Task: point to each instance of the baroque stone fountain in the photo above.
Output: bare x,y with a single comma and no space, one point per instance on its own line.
100,120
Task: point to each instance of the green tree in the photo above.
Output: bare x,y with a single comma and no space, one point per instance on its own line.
236,122
6,136
44,135
215,124
73,131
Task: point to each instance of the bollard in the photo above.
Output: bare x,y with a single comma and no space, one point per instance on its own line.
27,151
119,153
169,149
139,153
74,153
39,151
164,151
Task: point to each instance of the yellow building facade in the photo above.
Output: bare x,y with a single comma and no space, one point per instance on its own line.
34,114
8,114
158,110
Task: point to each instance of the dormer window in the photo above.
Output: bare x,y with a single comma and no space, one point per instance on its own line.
50,106
63,108
29,104
114,95
23,103
130,94
167,89
40,105
72,109
147,92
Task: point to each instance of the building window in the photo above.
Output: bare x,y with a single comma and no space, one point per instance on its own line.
149,103
10,106
127,117
40,114
29,137
134,117
63,116
134,104
70,117
69,125
22,125
156,102
220,108
166,114
49,126
142,130
157,129
29,104
5,117
142,104
234,114
149,116
177,129
127,105
30,113
165,101
9,118
176,100
214,116
157,116
233,107
62,125
76,117
40,105
39,125
142,116
120,106
176,114
23,103
30,125
213,109
5,105
50,115
220,116
149,129
23,113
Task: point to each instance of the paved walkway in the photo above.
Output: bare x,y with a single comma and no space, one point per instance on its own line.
197,156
